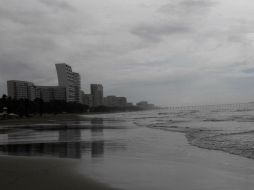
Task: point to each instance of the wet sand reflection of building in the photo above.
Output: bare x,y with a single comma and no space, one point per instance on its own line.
97,147
67,144
71,146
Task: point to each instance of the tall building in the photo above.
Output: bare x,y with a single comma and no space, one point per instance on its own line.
76,85
70,80
97,94
86,99
21,89
50,93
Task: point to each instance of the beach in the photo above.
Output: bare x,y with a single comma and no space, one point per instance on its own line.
45,118
133,151
43,173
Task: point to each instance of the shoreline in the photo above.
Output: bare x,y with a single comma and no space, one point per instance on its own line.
52,118
29,173
238,143
201,138
231,143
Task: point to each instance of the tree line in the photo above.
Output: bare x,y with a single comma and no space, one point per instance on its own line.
26,108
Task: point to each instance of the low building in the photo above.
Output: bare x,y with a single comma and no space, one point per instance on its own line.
121,101
110,101
129,104
51,93
87,99
113,101
27,90
145,105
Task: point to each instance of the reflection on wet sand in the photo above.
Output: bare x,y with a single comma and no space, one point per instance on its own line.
68,145
97,147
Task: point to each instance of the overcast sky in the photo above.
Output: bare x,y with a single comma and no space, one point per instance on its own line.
169,52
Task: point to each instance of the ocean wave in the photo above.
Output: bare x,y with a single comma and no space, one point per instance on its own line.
241,143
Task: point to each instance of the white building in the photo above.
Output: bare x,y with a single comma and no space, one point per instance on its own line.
70,80
21,89
27,90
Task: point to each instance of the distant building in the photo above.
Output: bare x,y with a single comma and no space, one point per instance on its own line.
145,105
110,101
76,84
50,93
87,99
113,101
27,90
69,80
82,97
21,90
97,94
121,101
129,104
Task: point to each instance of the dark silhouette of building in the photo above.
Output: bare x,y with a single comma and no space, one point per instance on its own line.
97,94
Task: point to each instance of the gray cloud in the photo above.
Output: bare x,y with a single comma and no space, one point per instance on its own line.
181,17
58,5
184,51
18,68
154,32
187,7
250,70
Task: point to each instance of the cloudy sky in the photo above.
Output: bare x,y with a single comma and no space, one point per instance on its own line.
169,52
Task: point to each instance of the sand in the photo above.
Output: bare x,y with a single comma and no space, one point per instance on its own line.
43,174
46,118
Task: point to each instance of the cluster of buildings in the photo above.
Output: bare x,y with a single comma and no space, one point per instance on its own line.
68,90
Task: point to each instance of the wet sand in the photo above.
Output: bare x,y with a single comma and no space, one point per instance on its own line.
43,173
126,151
46,118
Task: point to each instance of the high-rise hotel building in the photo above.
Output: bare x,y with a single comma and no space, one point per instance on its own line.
97,94
69,80
76,84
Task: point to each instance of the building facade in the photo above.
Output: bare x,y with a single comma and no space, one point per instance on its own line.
27,90
113,101
76,85
51,93
145,105
97,94
121,101
21,90
69,80
87,99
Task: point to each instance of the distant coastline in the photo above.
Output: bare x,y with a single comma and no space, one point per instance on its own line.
54,118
